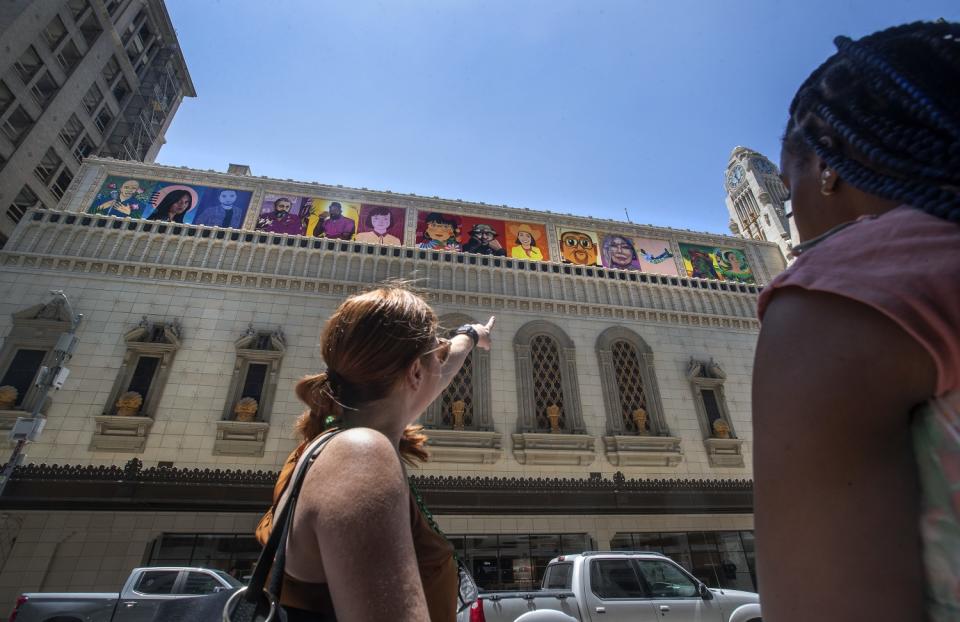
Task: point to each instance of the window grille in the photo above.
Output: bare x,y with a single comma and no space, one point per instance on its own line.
459,390
626,367
547,380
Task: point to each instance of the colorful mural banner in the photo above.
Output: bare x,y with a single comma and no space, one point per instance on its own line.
654,256
710,262
578,246
316,217
168,201
379,224
481,235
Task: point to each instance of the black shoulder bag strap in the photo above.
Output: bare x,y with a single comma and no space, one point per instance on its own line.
259,601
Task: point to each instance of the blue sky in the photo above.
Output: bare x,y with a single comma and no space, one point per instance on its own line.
575,107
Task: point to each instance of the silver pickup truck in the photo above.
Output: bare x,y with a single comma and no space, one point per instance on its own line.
137,601
608,586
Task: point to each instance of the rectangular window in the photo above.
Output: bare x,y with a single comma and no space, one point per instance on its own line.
24,200
93,98
47,167
17,124
143,375
54,32
199,583
69,57
84,148
90,28
44,89
711,405
103,119
28,64
121,90
77,7
666,580
615,578
60,186
110,70
70,132
23,371
253,383
558,577
157,582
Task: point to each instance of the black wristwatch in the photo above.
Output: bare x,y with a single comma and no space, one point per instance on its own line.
470,331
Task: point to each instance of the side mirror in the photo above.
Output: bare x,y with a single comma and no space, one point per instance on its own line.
705,592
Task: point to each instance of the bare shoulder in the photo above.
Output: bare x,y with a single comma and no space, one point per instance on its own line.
358,473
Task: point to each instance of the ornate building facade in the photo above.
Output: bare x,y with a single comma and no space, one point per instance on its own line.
757,200
612,412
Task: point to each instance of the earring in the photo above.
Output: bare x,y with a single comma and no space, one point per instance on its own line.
824,179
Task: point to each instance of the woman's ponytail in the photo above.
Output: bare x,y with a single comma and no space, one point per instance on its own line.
324,408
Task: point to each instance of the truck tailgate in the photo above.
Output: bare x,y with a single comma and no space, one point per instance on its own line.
92,606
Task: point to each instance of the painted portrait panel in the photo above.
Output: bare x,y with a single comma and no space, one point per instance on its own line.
483,236
379,224
655,256
282,213
169,201
578,246
709,262
618,251
330,218
438,231
526,240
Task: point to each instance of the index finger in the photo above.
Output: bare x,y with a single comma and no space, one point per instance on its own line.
491,321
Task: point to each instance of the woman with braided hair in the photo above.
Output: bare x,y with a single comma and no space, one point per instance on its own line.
856,395
362,546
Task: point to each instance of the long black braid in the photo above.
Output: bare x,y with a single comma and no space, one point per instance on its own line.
890,105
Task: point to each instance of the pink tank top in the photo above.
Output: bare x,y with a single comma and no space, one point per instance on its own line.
904,263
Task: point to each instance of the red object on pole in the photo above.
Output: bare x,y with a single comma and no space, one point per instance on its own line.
16,609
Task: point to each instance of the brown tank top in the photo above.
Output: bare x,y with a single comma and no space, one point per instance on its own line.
438,573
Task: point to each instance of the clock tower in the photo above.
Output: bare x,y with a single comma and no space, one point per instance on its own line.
757,200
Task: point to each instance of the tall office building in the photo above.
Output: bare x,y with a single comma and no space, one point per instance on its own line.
80,78
757,200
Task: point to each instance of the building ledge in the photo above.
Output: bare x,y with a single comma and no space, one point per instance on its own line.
240,438
724,452
541,448
115,433
465,446
643,450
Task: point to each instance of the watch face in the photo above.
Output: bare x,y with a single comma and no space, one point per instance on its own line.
735,176
763,165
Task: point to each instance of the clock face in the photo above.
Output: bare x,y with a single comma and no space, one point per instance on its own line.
735,176
763,165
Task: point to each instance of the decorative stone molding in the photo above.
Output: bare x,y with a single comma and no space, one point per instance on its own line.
464,446
643,450
234,258
721,442
113,433
724,452
240,438
565,449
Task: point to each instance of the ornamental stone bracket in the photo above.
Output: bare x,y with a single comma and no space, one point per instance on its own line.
115,433
464,446
643,450
724,452
562,449
240,438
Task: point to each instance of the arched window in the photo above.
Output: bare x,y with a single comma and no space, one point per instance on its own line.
637,431
547,383
465,403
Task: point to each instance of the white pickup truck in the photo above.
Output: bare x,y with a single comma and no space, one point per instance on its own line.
137,601
608,586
